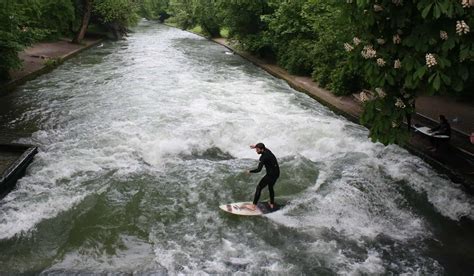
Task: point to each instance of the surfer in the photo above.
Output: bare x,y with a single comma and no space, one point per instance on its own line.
270,162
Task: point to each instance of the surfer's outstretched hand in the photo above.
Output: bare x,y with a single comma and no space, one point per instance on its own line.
252,146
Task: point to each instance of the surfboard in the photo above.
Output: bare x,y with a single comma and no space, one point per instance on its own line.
426,131
240,208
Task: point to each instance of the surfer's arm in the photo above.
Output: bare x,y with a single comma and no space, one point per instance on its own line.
260,166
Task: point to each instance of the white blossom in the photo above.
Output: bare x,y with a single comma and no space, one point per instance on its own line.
380,62
381,41
461,27
363,97
397,64
430,60
349,1
348,47
466,3
399,103
397,39
380,92
368,52
397,2
394,124
356,41
378,8
443,35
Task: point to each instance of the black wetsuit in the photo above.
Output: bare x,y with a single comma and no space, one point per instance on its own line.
442,129
270,162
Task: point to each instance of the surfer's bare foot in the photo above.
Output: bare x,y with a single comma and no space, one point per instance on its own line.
251,207
271,205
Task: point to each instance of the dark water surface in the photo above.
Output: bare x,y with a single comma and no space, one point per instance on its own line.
142,139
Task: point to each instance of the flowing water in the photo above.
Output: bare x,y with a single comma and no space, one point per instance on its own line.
141,140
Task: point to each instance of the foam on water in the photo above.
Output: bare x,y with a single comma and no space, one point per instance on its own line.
171,106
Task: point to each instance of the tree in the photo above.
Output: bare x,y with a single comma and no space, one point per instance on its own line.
182,13
154,9
291,35
116,15
207,15
406,48
86,15
23,22
56,16
11,40
243,18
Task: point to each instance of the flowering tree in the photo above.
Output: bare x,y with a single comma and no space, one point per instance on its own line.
406,48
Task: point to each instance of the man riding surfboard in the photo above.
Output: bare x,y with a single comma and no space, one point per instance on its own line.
270,162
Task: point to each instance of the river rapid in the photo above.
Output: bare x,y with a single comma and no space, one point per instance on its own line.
141,140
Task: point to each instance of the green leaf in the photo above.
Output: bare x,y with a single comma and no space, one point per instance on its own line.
463,72
446,79
390,79
437,82
420,72
457,85
448,44
426,10
436,11
430,79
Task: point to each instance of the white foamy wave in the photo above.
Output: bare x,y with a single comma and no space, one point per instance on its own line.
445,196
20,215
373,265
228,257
357,204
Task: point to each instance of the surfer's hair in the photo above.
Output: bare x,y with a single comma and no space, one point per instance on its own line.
260,146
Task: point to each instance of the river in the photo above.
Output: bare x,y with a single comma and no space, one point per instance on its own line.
142,139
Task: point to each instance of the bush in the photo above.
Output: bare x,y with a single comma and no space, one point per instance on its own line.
346,80
56,16
297,58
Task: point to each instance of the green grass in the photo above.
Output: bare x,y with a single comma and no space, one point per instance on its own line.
172,24
197,30
224,32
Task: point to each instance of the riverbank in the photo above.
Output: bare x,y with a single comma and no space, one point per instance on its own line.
43,57
454,161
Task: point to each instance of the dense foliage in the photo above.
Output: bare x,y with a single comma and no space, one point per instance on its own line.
121,12
155,9
307,37
406,48
23,22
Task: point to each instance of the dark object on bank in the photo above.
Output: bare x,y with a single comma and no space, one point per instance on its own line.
443,128
14,159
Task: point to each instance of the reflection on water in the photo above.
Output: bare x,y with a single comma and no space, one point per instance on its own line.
141,140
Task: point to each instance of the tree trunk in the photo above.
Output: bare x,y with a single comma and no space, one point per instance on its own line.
87,8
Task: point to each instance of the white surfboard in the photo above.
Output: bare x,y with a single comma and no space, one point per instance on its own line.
426,131
241,208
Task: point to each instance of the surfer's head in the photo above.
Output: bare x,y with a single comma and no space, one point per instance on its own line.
259,148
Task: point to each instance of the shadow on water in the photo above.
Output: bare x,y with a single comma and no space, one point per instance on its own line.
213,153
104,226
208,55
